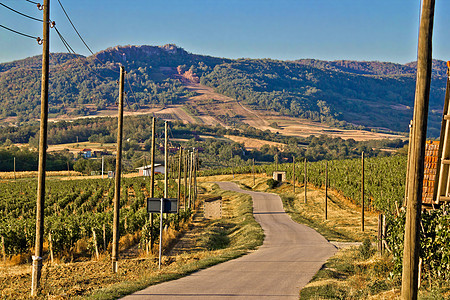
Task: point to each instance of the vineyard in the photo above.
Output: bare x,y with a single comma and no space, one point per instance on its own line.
74,210
384,178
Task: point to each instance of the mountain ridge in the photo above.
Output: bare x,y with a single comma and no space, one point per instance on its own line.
340,92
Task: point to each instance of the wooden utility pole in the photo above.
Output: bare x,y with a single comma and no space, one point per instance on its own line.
326,190
306,178
103,165
410,272
166,161
196,162
362,191
116,234
190,177
179,178
152,180
37,257
293,173
185,179
14,168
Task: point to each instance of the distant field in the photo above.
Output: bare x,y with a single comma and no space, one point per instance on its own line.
251,144
210,106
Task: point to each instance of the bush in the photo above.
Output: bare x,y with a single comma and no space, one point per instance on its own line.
272,183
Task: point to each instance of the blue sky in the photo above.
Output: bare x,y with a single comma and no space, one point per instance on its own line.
384,30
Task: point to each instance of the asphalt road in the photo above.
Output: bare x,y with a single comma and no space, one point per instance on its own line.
289,257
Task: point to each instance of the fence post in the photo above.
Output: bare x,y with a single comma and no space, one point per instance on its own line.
380,233
94,236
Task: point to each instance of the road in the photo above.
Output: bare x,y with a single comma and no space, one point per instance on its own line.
289,257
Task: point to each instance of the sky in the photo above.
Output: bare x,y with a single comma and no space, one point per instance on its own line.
364,30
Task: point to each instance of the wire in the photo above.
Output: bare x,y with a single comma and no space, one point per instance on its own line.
132,92
63,40
26,35
33,2
75,28
18,12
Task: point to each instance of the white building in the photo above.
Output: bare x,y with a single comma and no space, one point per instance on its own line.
147,170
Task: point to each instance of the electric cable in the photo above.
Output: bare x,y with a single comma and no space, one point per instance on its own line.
33,2
22,14
38,39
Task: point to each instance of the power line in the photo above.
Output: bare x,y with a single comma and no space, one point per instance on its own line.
75,27
63,40
38,39
33,2
22,14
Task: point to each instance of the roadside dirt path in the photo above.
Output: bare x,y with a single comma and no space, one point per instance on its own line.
289,257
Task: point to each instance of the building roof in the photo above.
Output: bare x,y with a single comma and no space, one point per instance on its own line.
148,167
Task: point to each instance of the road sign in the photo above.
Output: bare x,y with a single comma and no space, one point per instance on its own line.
169,205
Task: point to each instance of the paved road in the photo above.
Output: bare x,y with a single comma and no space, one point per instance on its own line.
289,257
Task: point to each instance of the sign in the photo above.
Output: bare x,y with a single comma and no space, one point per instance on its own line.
170,205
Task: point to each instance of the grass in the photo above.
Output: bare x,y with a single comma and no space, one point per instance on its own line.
354,273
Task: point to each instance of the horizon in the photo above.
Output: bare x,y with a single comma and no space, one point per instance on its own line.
286,30
202,54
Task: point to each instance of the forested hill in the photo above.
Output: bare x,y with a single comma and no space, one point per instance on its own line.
371,94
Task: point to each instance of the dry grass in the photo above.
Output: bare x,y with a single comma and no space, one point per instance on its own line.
34,174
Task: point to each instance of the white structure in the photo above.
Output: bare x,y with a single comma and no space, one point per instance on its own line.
147,170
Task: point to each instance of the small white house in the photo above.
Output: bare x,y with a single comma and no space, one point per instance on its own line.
147,170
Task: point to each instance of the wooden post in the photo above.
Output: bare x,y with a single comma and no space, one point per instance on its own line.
152,180
293,174
362,191
15,168
185,169
103,165
104,237
94,237
116,234
380,233
253,171
305,179
407,165
40,200
383,234
195,175
326,190
3,248
410,271
179,178
190,178
166,161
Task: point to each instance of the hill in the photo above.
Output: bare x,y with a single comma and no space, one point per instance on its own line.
345,94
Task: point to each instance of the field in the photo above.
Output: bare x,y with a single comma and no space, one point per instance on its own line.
210,108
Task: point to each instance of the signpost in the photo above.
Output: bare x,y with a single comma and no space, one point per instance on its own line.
162,206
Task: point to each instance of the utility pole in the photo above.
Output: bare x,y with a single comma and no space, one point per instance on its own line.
293,173
103,165
410,273
166,161
362,191
37,257
185,178
179,178
115,245
14,168
152,181
190,177
306,178
407,164
326,190
195,175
